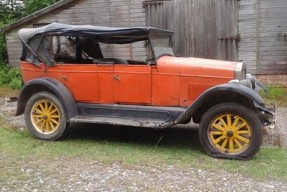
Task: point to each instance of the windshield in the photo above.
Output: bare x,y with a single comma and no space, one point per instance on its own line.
161,45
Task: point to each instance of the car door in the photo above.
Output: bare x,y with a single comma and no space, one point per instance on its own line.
106,83
132,84
82,80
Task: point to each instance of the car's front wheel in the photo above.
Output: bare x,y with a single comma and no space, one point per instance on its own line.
45,116
230,130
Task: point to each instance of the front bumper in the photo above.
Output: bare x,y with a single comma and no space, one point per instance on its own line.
266,115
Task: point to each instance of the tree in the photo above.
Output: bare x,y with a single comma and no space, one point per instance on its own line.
12,10
32,6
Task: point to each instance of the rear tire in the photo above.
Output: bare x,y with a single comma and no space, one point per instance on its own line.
231,131
45,116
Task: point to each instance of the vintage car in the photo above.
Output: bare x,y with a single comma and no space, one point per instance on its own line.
67,78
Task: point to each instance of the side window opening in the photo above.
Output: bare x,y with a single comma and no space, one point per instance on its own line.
85,50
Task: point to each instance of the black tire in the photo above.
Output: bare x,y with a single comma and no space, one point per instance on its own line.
45,116
228,140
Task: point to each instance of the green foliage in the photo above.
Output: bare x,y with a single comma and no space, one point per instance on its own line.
275,95
3,49
32,6
9,11
12,10
10,76
275,92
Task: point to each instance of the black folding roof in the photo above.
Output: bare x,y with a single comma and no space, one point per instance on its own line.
102,34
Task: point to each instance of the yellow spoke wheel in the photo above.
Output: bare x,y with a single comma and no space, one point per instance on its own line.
45,116
230,130
230,133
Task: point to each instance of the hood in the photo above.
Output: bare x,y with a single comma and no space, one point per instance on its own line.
198,67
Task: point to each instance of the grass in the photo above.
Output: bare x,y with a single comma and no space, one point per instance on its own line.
275,95
131,146
9,76
6,91
135,146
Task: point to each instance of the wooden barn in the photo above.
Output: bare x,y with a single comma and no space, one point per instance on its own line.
254,31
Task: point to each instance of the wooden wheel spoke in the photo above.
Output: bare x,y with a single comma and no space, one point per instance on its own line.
46,105
240,126
47,126
223,122
51,107
239,146
228,120
216,126
224,143
235,122
52,112
54,121
42,126
42,107
37,116
245,140
243,132
38,111
216,133
231,146
219,139
52,127
55,116
39,121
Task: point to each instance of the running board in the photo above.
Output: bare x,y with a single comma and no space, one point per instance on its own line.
121,121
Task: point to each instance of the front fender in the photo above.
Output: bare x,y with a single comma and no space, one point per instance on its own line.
230,92
50,85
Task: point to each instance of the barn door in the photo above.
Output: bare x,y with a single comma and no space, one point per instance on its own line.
203,28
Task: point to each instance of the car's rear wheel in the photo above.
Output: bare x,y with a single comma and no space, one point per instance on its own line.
45,116
230,130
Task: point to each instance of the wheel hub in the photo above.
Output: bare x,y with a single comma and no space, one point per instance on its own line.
229,133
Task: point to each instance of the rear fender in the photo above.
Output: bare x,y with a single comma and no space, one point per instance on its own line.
230,92
50,85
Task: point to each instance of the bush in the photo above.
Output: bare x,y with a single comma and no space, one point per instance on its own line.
10,76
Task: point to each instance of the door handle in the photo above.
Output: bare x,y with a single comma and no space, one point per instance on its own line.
117,77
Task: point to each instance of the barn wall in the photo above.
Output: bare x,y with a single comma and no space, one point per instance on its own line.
202,28
115,13
263,30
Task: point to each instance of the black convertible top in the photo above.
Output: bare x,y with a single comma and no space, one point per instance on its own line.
99,33
38,42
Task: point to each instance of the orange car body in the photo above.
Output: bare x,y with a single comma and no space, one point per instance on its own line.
172,82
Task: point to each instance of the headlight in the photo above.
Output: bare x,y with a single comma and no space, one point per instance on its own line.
240,71
246,82
252,79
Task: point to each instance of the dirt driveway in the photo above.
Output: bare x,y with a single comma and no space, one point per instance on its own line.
79,174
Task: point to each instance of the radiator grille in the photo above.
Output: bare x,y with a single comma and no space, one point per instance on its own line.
194,90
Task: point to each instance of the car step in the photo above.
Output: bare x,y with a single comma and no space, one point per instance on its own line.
121,121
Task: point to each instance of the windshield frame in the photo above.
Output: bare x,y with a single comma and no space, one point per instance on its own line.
152,45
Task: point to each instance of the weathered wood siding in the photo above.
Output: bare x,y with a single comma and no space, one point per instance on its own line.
203,28
263,29
115,13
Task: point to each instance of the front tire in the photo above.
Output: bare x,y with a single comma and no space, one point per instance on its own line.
45,116
230,130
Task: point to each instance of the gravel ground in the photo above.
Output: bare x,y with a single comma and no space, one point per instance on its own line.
78,174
